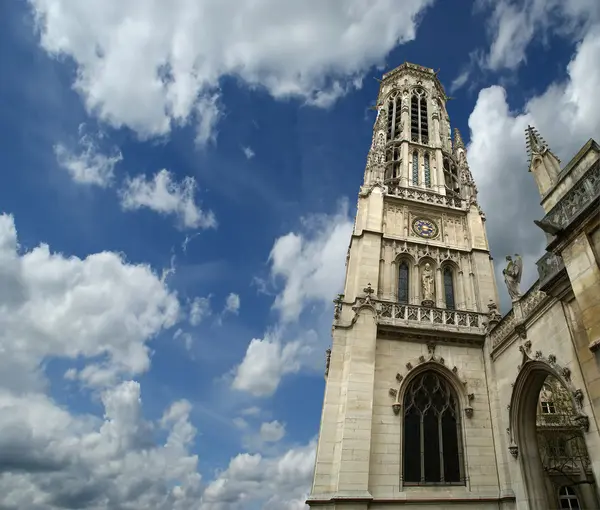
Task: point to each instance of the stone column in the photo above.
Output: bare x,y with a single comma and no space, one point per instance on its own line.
387,280
440,172
356,421
416,286
460,291
584,274
438,288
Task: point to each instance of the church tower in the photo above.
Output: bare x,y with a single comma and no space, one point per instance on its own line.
409,410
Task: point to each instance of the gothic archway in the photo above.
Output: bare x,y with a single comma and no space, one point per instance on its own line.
523,410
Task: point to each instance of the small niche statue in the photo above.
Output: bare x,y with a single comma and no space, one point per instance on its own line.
512,276
427,286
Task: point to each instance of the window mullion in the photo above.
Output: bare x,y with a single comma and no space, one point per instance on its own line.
441,439
422,447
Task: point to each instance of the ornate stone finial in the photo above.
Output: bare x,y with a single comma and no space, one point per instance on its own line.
458,141
493,314
368,290
534,141
431,348
512,276
338,306
409,366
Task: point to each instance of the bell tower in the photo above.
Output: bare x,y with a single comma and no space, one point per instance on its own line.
407,414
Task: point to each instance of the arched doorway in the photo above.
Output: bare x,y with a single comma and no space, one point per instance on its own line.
547,433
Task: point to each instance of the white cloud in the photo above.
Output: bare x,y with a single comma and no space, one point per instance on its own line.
265,362
311,263
97,307
89,165
308,267
199,310
232,303
54,460
515,24
272,432
248,152
166,196
566,114
208,113
280,483
251,411
460,80
152,66
240,423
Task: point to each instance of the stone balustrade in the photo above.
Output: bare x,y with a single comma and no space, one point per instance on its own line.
397,314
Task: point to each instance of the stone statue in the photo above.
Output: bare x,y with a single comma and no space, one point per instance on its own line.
512,276
427,285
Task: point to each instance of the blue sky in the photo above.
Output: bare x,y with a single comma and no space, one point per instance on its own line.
178,190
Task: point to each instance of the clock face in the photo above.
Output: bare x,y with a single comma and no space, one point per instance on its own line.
425,228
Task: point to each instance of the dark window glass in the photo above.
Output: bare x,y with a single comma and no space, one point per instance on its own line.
427,172
415,169
449,288
424,125
403,282
432,452
390,119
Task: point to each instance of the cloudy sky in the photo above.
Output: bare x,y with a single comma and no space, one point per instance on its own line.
178,187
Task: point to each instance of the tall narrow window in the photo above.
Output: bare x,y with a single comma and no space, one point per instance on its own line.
403,282
414,118
449,288
423,119
390,119
398,118
427,171
415,169
396,164
432,445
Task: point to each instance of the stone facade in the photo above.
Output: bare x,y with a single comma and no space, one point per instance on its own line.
431,396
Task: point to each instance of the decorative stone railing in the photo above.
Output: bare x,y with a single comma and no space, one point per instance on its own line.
397,314
513,321
576,199
548,267
422,195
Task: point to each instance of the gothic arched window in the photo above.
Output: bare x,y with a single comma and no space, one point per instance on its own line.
403,282
427,171
414,118
451,177
432,445
415,169
419,127
394,114
449,288
568,498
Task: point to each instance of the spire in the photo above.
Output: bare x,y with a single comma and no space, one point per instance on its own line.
542,162
535,143
458,141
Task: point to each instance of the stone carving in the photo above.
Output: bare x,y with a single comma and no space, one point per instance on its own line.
549,266
469,412
576,199
514,450
429,197
512,276
368,290
327,361
428,286
338,306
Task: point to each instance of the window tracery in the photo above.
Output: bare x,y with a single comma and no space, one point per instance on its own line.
432,444
427,171
419,126
449,288
451,177
415,169
403,282
394,115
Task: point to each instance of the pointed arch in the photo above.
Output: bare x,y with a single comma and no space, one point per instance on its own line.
448,280
432,431
427,168
522,418
404,276
415,168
